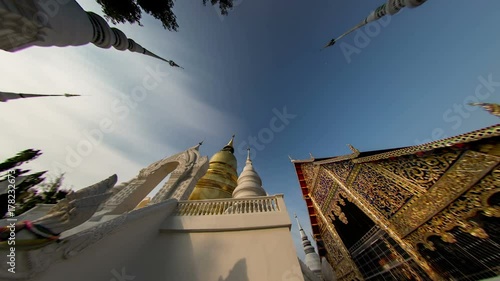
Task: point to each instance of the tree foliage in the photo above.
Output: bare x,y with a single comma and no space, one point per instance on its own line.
121,11
26,195
45,193
22,157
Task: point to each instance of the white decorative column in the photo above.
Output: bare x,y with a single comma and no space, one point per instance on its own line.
61,23
391,7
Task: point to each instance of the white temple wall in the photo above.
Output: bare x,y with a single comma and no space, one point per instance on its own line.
162,244
117,252
245,255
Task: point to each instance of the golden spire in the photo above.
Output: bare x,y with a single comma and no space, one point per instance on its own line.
229,145
221,177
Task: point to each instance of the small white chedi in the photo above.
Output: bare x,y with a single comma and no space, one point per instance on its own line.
99,233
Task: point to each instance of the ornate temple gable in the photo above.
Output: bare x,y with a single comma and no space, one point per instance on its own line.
382,192
458,214
412,193
380,220
468,170
488,132
326,188
421,172
341,169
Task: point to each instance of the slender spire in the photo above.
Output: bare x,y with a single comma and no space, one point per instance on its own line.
229,145
492,108
390,8
6,96
198,145
312,258
302,233
249,161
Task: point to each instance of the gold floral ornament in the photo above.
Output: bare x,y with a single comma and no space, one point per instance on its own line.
461,213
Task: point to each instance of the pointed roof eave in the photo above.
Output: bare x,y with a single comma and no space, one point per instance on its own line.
355,153
302,161
492,108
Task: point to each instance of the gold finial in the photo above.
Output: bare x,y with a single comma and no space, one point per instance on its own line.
229,146
231,142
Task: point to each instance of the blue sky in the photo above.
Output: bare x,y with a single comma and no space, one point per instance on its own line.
404,86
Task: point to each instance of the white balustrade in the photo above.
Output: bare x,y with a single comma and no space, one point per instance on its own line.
229,206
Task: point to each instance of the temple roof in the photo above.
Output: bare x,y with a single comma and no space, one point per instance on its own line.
401,151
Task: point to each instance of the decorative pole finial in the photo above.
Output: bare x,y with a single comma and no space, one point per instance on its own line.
231,141
70,26
390,8
249,161
6,96
230,145
298,224
201,142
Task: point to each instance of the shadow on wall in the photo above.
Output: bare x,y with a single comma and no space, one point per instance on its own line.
237,273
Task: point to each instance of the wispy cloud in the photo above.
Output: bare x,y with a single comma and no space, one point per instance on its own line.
56,125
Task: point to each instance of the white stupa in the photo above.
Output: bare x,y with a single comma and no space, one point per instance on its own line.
249,182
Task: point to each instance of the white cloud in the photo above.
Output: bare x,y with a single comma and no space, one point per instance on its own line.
58,125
